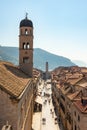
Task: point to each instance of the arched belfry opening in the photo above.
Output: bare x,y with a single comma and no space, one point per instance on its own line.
26,32
26,46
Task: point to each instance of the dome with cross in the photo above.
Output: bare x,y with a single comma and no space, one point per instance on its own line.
26,22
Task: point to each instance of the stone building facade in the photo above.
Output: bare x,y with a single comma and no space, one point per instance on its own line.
79,116
16,97
26,46
17,84
70,97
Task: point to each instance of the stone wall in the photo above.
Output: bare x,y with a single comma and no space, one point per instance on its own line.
79,119
8,110
17,113
25,108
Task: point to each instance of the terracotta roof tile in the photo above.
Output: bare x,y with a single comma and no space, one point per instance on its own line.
12,79
84,69
73,81
72,96
65,89
84,84
80,106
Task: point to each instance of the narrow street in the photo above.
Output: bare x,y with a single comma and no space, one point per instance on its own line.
45,120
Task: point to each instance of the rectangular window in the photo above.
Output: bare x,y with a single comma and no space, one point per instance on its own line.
75,127
78,118
75,113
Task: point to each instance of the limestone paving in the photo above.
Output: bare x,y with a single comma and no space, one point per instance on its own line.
46,119
48,110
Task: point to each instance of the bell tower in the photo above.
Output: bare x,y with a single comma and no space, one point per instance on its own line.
26,46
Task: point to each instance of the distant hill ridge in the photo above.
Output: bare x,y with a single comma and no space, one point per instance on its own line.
41,56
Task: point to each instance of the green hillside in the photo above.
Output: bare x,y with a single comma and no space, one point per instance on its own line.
40,58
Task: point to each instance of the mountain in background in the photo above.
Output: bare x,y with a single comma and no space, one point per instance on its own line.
11,54
80,63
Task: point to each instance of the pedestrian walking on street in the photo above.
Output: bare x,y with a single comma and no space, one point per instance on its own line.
49,101
52,114
51,111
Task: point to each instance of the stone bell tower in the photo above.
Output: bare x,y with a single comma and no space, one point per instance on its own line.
26,46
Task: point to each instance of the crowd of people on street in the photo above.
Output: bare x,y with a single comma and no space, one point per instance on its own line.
47,100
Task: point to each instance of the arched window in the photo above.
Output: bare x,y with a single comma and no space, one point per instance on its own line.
25,59
11,128
26,31
28,46
24,45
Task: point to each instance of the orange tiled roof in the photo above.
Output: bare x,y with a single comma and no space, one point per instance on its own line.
65,89
76,75
80,106
72,96
73,81
12,79
36,73
83,84
84,69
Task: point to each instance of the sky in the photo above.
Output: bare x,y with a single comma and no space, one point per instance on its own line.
60,26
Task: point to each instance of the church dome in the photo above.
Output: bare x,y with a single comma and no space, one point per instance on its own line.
26,23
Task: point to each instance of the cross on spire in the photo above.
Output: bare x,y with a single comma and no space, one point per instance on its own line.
26,15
